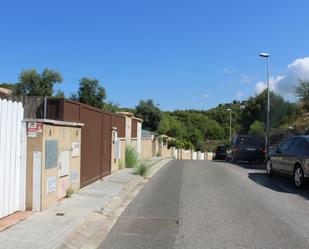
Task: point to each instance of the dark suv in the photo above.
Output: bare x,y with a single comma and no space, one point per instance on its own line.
246,148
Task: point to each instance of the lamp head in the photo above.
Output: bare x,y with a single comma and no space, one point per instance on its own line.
264,55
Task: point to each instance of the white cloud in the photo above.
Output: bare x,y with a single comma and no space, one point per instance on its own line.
239,94
285,84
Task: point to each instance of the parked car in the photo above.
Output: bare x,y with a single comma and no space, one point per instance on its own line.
246,148
220,153
291,158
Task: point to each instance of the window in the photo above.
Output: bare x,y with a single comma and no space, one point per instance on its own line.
300,147
234,140
254,141
286,145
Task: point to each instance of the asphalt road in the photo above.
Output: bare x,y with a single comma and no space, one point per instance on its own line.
202,204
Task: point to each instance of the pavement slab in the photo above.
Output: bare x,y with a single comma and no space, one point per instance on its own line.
84,214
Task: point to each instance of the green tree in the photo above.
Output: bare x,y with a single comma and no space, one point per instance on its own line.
90,92
281,111
59,94
150,114
170,126
257,129
111,107
32,83
302,92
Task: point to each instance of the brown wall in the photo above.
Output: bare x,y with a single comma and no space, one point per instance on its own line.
96,152
134,128
120,123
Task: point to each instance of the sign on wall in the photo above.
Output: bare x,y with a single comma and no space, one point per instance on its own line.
75,149
64,163
34,128
74,176
51,184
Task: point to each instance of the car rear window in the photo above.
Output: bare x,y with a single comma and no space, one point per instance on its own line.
250,141
222,148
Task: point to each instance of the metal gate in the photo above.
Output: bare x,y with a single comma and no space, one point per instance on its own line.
12,158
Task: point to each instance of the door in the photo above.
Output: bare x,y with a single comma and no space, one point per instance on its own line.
299,152
280,156
90,146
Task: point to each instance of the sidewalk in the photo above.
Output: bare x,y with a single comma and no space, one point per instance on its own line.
74,221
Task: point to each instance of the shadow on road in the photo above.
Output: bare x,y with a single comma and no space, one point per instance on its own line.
244,165
279,184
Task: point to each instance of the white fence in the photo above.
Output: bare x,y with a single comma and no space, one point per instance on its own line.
12,158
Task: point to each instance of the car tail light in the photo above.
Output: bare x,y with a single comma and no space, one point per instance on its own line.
262,149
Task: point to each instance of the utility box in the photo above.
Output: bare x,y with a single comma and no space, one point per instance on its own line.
53,161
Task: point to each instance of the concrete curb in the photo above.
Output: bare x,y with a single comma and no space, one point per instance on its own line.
98,224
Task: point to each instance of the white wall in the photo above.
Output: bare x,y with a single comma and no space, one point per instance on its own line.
12,158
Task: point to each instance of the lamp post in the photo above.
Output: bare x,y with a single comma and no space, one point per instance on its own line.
266,56
230,110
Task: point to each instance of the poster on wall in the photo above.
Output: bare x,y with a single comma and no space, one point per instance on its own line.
51,184
74,176
33,128
75,148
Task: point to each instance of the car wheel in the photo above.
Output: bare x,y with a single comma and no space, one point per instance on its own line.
298,177
269,168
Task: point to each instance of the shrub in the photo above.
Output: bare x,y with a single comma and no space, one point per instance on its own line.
142,169
121,164
69,193
131,157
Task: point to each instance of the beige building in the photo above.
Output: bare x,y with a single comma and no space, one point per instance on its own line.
53,162
5,92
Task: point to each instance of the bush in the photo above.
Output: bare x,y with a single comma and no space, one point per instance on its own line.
131,157
142,169
121,164
69,193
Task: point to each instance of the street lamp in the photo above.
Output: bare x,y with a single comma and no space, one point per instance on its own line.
266,55
230,110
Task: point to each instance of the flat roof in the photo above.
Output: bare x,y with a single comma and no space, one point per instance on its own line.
55,122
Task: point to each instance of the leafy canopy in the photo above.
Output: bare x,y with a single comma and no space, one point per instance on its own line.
150,114
32,83
302,91
90,92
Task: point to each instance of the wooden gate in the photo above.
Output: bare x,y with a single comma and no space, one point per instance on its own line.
96,143
12,158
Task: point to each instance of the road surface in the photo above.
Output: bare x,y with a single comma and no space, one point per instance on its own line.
203,204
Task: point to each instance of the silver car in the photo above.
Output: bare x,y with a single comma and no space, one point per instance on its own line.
291,158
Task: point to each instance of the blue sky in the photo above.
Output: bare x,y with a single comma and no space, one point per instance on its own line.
182,54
